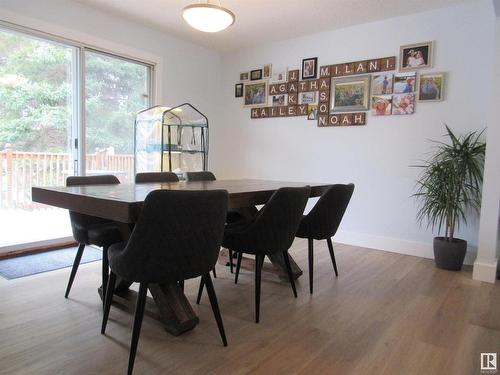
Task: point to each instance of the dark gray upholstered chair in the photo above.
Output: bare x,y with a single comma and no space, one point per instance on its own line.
200,176
272,232
91,230
323,221
234,215
145,177
177,237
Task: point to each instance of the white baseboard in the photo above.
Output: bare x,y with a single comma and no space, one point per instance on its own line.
395,245
485,271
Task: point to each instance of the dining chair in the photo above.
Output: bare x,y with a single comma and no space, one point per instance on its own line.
200,176
177,237
272,232
92,230
322,222
145,177
234,215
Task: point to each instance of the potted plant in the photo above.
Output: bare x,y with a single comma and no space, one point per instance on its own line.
448,189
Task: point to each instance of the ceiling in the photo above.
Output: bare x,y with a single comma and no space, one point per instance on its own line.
264,20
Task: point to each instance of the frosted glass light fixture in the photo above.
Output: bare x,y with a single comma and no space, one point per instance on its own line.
207,17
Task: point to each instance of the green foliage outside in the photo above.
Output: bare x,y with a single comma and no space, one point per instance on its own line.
36,97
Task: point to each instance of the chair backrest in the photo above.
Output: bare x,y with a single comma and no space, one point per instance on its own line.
276,224
81,222
200,176
145,177
105,179
177,237
325,217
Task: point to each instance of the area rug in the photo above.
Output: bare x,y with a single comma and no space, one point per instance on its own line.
27,265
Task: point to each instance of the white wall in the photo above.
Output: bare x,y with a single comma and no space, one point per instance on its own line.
375,157
187,72
485,266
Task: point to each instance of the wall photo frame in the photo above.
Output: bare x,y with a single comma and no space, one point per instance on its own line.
279,100
244,76
238,90
403,104
381,105
255,94
382,84
350,93
267,71
431,87
415,56
309,68
279,74
256,75
404,83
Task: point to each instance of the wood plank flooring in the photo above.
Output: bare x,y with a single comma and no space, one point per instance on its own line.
385,314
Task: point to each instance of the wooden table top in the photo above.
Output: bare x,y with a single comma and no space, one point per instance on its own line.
123,202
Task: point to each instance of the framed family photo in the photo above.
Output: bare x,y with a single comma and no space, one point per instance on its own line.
312,111
404,83
381,105
279,100
279,75
350,93
255,94
415,56
431,87
309,97
238,90
267,71
255,75
382,84
403,104
309,68
245,76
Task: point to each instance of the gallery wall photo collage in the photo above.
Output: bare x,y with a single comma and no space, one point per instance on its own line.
342,94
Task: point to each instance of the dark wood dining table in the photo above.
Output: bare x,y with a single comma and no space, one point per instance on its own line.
122,203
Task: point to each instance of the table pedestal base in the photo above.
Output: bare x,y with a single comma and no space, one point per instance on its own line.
169,305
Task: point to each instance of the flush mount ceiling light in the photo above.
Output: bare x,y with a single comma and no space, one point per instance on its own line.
208,17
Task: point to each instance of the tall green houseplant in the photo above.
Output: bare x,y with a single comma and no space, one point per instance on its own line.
448,188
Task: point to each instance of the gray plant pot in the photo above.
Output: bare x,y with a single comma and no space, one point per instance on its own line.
449,255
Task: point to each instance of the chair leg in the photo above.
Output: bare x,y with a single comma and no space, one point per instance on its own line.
259,261
215,274
105,271
332,255
311,264
289,270
76,263
238,266
110,290
200,291
215,306
139,314
230,261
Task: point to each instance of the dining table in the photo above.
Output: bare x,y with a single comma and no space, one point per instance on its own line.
122,203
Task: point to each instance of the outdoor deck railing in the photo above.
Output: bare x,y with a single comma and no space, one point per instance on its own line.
19,171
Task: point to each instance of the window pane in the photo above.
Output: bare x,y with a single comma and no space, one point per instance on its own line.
35,135
115,90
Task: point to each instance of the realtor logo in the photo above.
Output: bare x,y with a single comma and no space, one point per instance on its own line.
489,363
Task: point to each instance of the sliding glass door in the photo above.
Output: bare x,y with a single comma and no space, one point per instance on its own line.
36,134
115,90
57,97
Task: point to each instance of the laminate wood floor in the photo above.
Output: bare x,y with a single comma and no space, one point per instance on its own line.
386,313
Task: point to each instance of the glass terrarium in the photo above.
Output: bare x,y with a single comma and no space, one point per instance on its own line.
171,140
